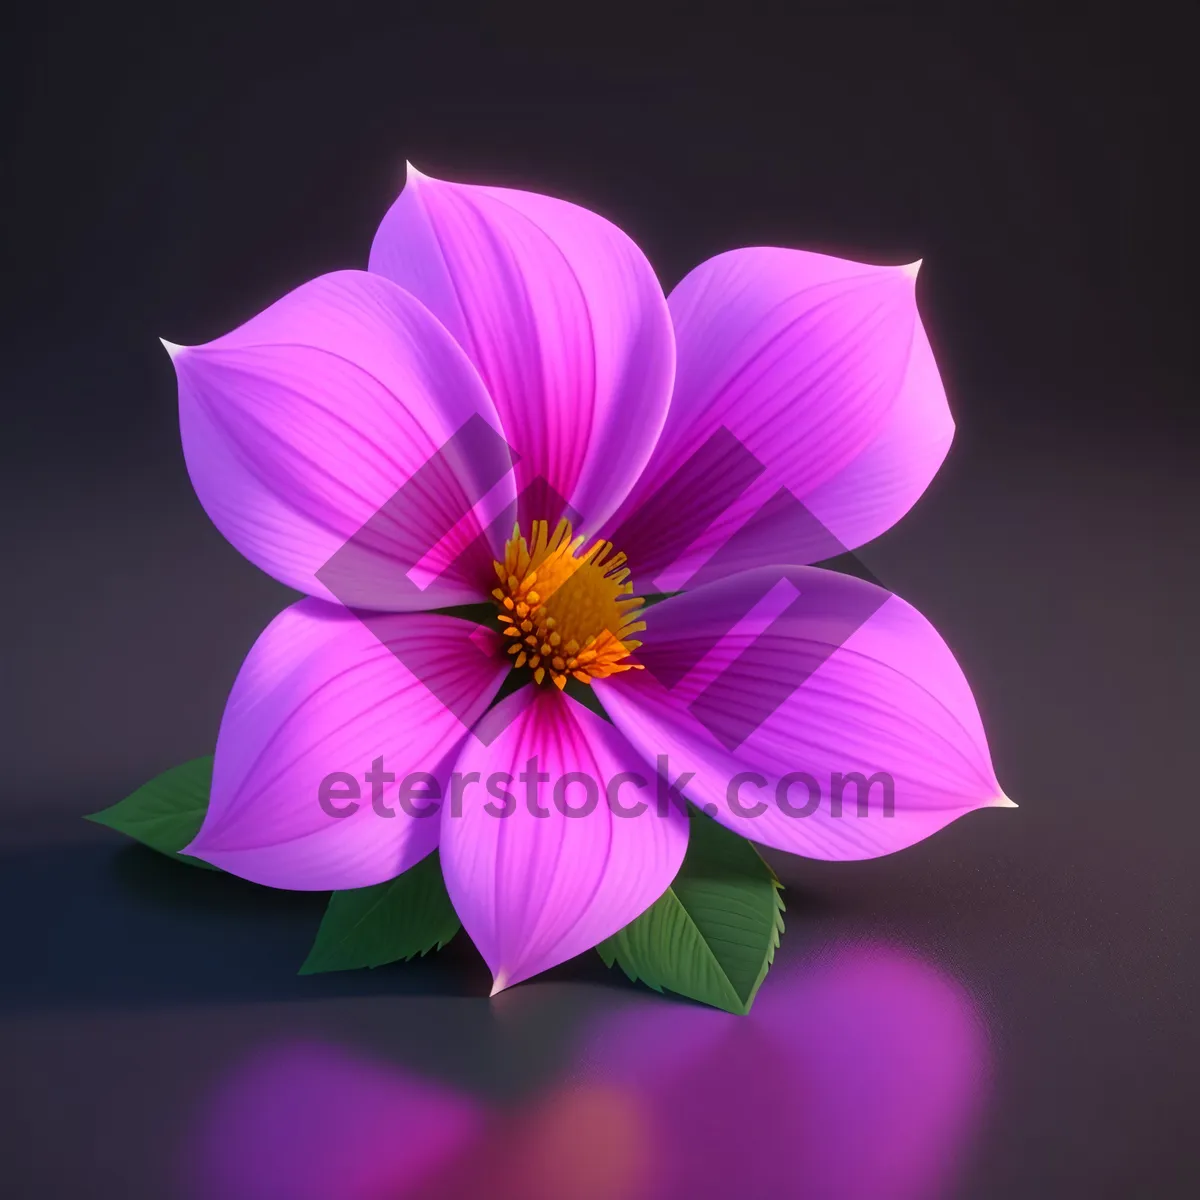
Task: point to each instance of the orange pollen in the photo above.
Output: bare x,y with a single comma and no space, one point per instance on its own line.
566,611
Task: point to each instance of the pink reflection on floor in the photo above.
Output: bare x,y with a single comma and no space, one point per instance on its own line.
858,1076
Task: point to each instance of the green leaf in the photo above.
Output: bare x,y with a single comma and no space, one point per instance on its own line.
713,934
367,927
166,813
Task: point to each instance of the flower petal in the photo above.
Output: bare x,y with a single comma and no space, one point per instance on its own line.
793,693
534,890
563,317
323,693
804,380
300,428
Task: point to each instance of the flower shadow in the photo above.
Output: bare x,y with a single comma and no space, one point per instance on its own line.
132,930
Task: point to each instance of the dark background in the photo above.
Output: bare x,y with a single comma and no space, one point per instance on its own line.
173,169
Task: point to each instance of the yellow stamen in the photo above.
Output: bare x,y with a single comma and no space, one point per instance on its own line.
581,618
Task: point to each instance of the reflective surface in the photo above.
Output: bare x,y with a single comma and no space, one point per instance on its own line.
860,1075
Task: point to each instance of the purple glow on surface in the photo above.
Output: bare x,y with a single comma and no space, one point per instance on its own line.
308,1121
860,1076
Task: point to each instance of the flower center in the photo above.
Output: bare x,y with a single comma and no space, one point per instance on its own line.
566,612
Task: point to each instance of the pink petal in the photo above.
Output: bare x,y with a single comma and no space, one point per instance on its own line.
301,426
322,692
800,376
533,891
563,317
837,677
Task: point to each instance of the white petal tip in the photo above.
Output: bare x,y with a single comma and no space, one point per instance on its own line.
1003,801
410,172
501,982
911,269
173,350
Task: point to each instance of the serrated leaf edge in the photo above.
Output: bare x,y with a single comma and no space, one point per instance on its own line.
371,966
609,957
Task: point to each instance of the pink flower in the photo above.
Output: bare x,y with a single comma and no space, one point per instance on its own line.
525,317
